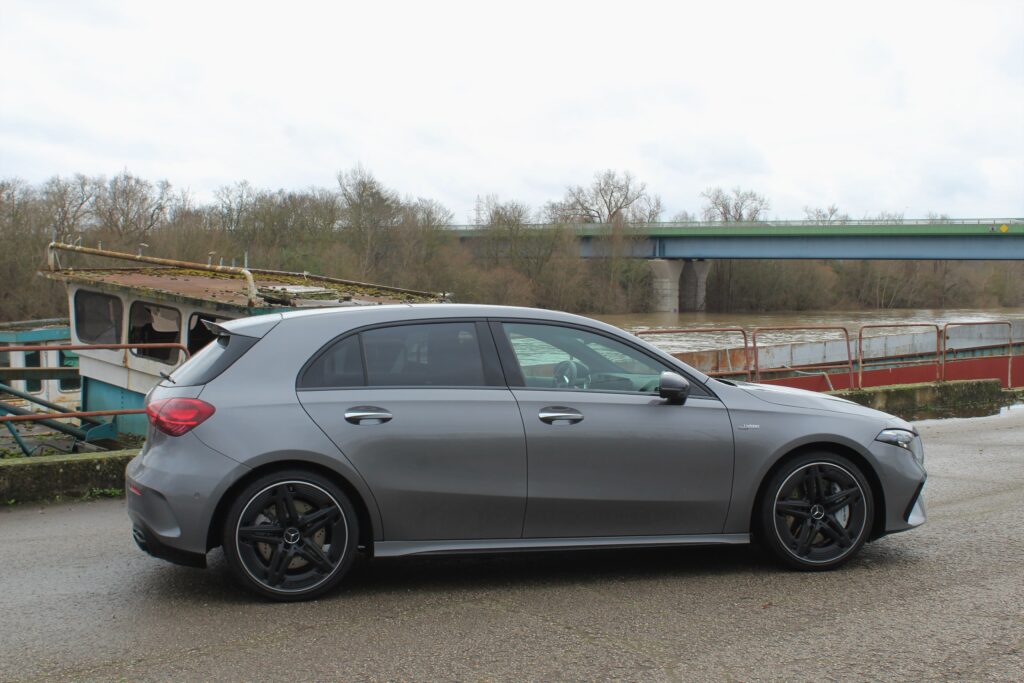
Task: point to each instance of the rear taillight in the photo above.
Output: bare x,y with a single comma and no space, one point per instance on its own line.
177,416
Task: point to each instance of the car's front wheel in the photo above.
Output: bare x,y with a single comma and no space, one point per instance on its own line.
290,535
816,511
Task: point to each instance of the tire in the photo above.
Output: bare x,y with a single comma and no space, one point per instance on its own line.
816,512
302,558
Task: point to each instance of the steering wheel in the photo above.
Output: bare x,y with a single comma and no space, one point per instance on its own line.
570,374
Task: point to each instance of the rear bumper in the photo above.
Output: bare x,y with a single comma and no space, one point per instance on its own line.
150,542
173,488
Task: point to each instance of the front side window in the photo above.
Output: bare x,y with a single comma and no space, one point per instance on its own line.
555,357
153,324
98,318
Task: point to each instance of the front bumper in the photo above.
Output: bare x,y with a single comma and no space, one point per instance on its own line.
173,487
902,476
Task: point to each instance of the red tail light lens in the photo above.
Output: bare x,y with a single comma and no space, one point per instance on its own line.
177,416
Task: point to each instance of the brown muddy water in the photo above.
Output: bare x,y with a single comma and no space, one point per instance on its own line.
851,320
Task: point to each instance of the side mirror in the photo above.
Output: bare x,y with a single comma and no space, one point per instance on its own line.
673,387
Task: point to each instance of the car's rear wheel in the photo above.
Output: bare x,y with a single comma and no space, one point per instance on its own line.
816,511
290,535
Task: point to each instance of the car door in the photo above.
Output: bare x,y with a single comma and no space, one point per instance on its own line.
422,411
607,456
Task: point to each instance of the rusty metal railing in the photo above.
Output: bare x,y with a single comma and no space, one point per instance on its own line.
35,417
861,363
698,330
796,328
1009,344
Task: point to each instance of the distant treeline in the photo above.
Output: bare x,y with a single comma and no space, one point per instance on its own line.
360,229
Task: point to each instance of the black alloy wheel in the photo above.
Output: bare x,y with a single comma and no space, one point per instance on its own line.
290,535
816,512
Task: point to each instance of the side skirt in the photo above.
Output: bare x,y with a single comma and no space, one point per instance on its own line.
400,548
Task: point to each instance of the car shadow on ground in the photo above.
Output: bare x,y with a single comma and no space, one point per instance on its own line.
525,570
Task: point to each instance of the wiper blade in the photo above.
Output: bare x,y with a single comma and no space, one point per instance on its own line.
167,377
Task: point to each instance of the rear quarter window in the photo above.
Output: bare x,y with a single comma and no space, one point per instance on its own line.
212,360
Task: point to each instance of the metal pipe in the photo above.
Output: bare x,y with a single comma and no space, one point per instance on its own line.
46,419
795,328
250,283
5,389
1009,345
696,330
90,347
939,358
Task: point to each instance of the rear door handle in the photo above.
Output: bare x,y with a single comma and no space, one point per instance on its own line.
371,414
553,414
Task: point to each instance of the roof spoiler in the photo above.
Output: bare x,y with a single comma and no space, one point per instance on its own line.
256,326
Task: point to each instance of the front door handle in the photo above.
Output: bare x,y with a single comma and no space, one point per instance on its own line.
553,414
370,414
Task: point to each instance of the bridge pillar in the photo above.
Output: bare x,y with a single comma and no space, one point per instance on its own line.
666,284
694,285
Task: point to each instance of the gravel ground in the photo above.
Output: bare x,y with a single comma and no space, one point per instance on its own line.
946,601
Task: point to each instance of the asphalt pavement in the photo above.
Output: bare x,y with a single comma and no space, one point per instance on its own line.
79,602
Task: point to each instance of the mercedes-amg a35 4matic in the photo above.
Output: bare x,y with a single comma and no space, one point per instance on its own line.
297,440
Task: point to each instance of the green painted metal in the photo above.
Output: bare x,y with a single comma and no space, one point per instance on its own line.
97,395
26,337
907,228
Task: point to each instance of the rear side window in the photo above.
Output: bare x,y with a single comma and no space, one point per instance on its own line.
212,360
341,365
438,354
98,318
425,354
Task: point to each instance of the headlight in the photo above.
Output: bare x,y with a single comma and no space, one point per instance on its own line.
908,441
897,437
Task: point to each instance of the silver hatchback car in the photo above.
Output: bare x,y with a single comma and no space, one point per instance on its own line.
296,440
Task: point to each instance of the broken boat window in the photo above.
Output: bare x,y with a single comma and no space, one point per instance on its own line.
198,334
153,324
97,318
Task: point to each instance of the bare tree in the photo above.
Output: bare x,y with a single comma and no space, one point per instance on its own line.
738,206
610,195
825,216
130,207
684,217
69,203
886,217
370,211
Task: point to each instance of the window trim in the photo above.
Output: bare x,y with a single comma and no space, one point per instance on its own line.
493,376
176,355
510,362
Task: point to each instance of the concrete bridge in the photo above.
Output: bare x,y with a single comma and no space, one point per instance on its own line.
679,252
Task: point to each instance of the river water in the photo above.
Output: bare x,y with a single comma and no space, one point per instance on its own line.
851,320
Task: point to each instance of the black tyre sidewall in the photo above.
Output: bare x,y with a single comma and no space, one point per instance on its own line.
236,509
765,525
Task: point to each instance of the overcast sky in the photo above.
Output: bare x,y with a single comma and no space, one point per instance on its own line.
895,106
